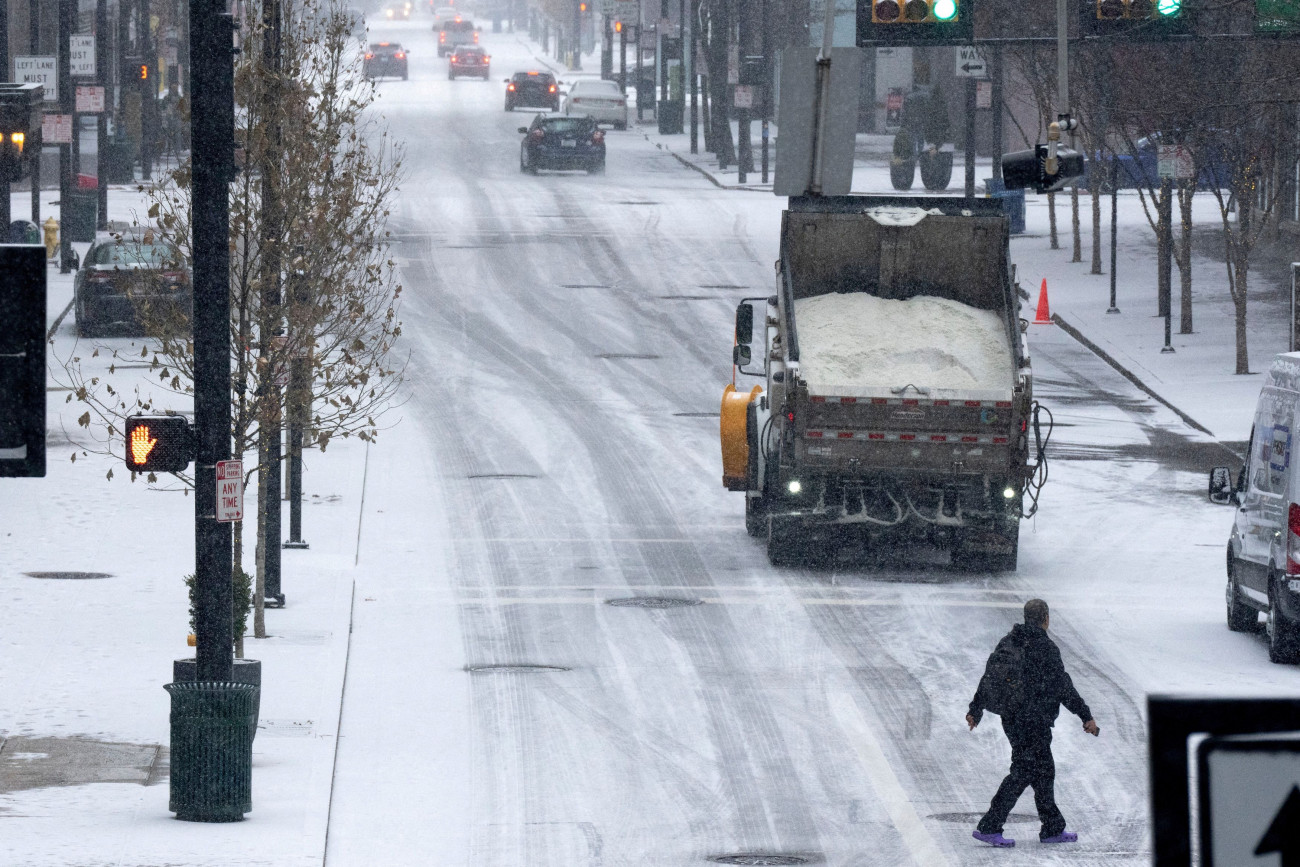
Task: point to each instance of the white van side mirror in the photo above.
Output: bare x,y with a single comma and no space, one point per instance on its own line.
1222,491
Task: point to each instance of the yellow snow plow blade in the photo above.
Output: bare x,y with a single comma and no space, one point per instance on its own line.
735,439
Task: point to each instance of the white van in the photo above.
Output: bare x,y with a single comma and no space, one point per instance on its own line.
1264,550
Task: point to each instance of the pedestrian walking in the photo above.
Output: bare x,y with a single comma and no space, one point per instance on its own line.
1025,683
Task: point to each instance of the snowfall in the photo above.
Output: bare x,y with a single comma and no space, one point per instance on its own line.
567,340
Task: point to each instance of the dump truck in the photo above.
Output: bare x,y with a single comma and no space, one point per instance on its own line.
897,396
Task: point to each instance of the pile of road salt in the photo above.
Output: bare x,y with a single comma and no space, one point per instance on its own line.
857,340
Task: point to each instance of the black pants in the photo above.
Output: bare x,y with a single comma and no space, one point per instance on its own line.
1031,765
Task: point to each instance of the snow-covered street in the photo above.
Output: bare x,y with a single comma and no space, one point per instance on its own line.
531,630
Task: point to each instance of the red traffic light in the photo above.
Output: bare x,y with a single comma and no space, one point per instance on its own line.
618,26
158,444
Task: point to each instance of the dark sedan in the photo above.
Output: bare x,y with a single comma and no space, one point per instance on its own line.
132,285
385,59
562,143
532,89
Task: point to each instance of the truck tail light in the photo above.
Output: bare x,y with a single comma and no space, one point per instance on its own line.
1293,539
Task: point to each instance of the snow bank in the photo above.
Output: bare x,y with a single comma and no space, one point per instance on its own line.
857,340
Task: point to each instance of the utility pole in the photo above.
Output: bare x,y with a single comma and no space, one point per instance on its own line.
101,122
607,49
5,216
212,113
767,86
272,319
622,57
148,93
67,21
34,45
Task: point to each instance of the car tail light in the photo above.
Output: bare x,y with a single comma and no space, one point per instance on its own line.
537,135
475,38
621,103
1293,539
401,55
510,87
442,37
370,57
455,59
597,137
551,89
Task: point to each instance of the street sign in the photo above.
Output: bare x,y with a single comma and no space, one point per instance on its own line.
83,55
1174,161
744,96
969,63
90,99
1249,800
39,70
230,491
56,128
983,94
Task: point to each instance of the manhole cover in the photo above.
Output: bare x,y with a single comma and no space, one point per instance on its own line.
513,669
501,476
756,858
657,602
631,356
68,576
973,818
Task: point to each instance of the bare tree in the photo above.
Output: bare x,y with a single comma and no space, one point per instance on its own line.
332,189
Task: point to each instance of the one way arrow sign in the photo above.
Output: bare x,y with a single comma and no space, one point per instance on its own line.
969,63
1250,801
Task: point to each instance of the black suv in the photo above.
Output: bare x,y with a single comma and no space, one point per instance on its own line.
532,89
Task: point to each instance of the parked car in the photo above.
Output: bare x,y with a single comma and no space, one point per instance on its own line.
1263,551
555,142
1140,167
597,99
130,284
455,33
469,60
532,89
385,59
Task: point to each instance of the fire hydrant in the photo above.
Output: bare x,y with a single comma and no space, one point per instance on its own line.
51,227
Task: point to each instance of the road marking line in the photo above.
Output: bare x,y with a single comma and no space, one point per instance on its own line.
924,850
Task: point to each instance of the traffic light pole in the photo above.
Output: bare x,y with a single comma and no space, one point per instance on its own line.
1165,253
5,216
272,322
37,145
970,139
67,21
212,118
101,121
1114,230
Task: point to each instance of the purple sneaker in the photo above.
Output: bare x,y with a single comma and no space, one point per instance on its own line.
995,839
1063,837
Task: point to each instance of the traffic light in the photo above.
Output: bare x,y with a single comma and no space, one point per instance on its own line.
618,26
1135,19
582,7
914,22
22,361
1023,170
158,444
16,126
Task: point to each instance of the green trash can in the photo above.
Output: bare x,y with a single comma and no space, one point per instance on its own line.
212,727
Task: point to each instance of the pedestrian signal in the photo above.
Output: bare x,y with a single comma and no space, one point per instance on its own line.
158,444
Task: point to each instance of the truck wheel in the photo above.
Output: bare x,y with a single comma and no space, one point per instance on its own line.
1282,645
781,550
1241,617
755,509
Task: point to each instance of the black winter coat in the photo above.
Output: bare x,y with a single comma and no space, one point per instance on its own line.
1047,683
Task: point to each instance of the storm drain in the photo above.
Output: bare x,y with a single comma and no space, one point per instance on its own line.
973,818
501,476
68,576
626,356
513,668
658,602
758,858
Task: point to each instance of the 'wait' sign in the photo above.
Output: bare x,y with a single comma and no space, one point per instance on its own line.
230,491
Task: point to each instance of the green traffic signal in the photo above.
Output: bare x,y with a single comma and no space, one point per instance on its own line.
1168,8
946,10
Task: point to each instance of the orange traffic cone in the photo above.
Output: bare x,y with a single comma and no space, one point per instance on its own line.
1044,315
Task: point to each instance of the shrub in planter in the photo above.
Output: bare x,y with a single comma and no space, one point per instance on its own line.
936,167
902,165
243,602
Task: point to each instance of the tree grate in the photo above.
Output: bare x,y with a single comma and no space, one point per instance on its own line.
756,858
68,576
654,602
